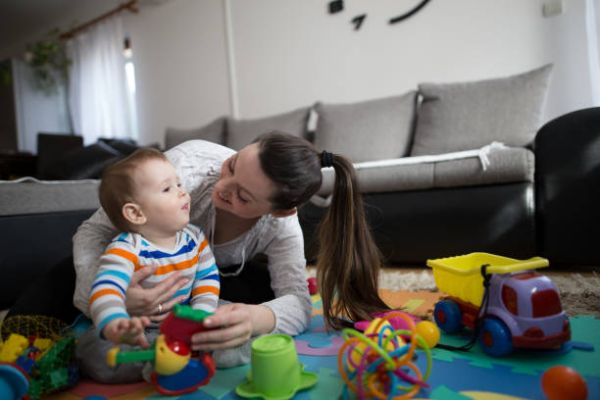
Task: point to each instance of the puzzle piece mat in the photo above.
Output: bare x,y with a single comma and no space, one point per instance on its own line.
454,375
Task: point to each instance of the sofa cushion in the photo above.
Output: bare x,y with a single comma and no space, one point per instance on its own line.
31,196
214,131
368,130
490,165
241,132
461,116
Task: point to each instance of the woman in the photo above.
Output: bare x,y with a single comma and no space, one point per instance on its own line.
246,203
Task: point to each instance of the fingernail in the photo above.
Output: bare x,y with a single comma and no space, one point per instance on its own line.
208,322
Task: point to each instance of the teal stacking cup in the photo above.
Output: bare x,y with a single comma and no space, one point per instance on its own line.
276,372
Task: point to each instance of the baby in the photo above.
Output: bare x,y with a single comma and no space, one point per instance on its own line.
143,198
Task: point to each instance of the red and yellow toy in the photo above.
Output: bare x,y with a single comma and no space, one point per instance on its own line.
176,370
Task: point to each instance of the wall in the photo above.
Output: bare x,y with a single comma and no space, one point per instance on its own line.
36,110
283,54
290,53
566,43
181,66
294,52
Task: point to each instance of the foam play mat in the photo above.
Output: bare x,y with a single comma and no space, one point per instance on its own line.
454,375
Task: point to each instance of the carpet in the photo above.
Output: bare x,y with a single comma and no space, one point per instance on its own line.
455,375
579,293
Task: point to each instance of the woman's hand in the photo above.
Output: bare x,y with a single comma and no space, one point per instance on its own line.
232,325
157,301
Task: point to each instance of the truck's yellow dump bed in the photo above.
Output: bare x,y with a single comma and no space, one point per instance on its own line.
461,277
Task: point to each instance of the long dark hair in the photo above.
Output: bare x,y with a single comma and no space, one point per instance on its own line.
348,260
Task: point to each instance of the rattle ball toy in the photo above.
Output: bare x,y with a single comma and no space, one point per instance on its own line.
379,363
429,332
561,382
377,326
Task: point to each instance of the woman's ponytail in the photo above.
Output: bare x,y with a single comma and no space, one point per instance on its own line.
348,261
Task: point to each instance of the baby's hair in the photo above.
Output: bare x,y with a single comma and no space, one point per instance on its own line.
118,187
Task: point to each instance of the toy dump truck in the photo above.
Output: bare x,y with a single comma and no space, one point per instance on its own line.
521,308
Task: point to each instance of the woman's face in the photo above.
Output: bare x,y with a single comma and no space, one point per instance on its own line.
243,188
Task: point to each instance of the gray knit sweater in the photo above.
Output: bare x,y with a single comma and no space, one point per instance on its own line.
198,164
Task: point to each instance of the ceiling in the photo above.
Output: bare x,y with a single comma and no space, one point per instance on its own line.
20,18
23,21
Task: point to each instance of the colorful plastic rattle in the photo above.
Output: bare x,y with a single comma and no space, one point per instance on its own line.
175,370
379,363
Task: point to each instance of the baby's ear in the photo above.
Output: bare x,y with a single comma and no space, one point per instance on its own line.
133,213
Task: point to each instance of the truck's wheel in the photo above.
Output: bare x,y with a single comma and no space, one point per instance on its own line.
495,337
448,316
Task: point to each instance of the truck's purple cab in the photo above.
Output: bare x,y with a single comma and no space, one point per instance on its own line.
529,304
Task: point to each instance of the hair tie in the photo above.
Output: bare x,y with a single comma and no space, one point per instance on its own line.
326,159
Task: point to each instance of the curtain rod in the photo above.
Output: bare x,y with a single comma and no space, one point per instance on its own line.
130,5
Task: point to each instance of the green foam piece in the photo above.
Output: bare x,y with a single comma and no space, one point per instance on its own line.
482,363
445,393
583,328
225,380
442,355
329,385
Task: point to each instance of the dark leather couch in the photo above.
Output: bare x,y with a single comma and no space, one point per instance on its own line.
557,216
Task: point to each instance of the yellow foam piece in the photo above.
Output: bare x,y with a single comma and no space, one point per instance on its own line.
13,347
43,344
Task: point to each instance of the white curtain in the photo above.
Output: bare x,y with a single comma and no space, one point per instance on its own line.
97,83
593,34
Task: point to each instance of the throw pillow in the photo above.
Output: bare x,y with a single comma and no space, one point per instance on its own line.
470,115
88,162
241,132
123,146
368,130
214,132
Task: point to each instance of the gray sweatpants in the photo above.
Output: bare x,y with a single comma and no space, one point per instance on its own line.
91,353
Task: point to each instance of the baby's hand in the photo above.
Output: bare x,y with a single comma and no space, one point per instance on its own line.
128,331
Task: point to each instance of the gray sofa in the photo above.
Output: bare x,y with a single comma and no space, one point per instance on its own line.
447,169
37,222
434,182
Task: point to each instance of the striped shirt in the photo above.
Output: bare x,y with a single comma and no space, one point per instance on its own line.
128,252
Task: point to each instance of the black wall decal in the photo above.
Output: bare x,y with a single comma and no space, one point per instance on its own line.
358,21
409,13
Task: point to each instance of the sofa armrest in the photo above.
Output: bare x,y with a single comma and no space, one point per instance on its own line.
567,175
32,244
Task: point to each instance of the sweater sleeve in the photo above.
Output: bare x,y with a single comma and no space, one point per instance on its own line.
287,268
89,242
206,285
107,295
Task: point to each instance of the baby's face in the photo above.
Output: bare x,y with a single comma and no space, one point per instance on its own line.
161,197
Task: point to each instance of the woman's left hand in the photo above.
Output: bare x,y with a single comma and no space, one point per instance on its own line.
232,325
